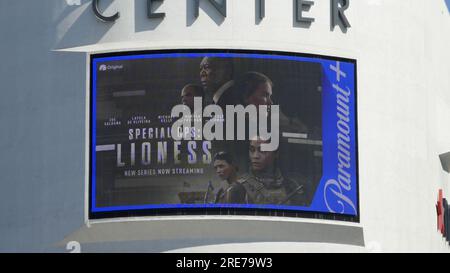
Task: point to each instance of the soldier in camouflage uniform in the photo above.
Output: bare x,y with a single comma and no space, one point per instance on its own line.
265,184
231,192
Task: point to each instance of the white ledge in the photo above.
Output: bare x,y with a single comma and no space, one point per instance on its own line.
145,45
219,229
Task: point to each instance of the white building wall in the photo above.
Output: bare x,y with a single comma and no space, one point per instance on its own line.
402,49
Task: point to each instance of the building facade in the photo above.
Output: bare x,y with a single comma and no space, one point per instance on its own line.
403,116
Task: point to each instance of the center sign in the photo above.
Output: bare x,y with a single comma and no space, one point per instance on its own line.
301,7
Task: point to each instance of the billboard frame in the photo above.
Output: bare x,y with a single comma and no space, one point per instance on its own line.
205,210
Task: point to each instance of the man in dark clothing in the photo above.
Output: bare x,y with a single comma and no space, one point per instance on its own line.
216,76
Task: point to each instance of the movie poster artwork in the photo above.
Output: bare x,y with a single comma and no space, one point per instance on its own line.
180,130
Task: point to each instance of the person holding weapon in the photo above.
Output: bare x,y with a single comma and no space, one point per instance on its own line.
265,184
230,192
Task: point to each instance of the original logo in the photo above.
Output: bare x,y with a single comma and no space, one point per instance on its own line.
105,67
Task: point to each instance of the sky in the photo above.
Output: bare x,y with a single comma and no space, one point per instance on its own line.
448,4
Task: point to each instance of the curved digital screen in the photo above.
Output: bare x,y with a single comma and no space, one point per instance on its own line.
222,131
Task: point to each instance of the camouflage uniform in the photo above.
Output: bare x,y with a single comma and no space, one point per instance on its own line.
273,189
234,194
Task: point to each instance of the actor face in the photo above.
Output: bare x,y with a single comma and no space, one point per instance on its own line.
212,76
261,96
187,97
223,169
260,160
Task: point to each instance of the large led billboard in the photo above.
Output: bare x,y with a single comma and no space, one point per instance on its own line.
222,131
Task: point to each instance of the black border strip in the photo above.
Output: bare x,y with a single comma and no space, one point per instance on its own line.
222,211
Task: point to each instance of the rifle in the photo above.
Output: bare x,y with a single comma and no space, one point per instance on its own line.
210,188
292,194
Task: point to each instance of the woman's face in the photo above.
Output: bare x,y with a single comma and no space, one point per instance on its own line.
223,169
260,160
261,96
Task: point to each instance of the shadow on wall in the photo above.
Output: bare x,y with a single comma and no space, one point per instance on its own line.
76,24
42,92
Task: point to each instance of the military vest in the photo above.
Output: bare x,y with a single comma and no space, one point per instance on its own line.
273,189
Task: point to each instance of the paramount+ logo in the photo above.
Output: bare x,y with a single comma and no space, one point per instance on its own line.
443,217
